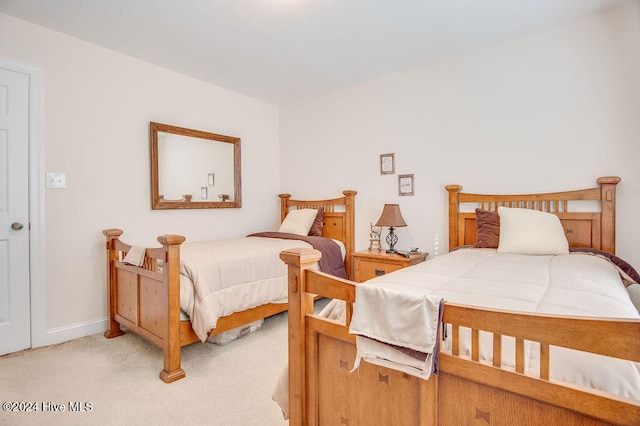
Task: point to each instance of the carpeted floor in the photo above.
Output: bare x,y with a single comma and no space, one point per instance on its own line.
116,381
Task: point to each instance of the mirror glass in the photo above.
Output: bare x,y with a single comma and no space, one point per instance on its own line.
192,169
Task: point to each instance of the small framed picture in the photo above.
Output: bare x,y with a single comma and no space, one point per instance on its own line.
405,184
387,164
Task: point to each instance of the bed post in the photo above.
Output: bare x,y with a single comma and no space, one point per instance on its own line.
300,304
284,208
171,301
608,207
454,191
350,240
113,236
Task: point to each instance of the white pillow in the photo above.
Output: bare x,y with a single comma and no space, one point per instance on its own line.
298,221
526,231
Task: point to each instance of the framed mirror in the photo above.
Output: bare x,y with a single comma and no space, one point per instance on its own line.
192,169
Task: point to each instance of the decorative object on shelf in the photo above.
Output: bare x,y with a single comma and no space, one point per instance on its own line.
374,238
387,164
223,197
391,217
405,185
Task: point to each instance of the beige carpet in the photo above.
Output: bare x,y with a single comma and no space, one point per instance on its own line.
225,385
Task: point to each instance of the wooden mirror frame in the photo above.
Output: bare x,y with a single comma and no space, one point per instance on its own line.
158,203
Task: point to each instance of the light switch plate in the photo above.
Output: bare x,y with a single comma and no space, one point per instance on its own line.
56,180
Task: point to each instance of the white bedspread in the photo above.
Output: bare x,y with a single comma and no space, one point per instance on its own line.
218,278
572,284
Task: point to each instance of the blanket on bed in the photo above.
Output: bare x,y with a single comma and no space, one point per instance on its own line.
331,261
574,284
219,278
627,272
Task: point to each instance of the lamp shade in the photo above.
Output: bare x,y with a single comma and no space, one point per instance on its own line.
391,216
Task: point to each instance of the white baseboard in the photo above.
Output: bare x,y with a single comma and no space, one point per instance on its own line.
74,331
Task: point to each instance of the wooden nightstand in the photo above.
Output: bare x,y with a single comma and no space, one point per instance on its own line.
370,264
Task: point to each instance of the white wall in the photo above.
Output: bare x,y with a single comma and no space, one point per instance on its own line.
97,109
549,111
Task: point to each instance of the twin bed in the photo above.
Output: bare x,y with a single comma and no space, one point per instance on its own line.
182,293
545,334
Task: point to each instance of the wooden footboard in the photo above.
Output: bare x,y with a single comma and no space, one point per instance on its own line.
323,390
146,299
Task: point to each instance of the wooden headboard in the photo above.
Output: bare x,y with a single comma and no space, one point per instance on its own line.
339,218
583,229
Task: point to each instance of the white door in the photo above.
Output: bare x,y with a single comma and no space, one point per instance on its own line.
15,327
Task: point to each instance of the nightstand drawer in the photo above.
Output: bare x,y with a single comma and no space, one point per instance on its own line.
371,269
373,263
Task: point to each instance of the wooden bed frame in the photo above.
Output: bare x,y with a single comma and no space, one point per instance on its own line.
322,391
146,299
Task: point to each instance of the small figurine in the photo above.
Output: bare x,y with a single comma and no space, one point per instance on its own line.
374,238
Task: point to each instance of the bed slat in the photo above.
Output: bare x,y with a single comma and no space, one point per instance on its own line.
455,340
497,350
520,355
544,361
475,345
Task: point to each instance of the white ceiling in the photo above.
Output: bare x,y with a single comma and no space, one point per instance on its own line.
282,51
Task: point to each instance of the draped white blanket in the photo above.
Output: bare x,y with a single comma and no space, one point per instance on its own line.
384,317
135,256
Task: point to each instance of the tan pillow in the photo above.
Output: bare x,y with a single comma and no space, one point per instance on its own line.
298,221
318,223
488,223
526,231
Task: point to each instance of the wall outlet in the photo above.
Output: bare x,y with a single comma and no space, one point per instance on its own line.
56,180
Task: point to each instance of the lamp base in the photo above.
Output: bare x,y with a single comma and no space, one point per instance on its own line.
392,239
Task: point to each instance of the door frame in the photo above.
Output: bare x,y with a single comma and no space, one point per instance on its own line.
37,288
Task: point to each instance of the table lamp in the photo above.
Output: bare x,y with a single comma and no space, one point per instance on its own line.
392,218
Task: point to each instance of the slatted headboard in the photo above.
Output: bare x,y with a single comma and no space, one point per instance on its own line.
583,229
339,218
